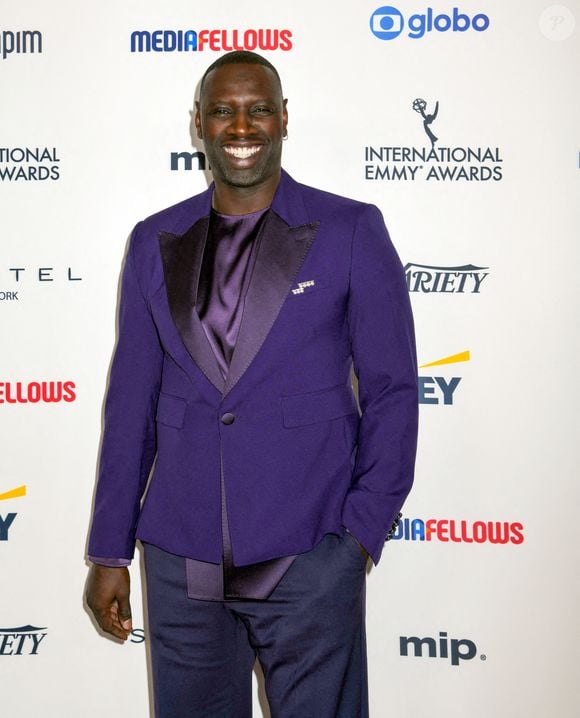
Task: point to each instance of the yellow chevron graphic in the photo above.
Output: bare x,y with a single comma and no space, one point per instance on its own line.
453,359
13,493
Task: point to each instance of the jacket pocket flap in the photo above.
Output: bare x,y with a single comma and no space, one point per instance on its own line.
303,409
171,410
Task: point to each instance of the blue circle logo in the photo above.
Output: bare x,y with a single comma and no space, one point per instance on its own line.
387,23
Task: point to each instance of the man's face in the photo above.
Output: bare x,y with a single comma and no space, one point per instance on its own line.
241,118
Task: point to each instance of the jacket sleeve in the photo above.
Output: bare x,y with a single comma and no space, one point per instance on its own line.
384,358
129,443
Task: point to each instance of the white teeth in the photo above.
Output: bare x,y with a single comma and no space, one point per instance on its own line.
242,153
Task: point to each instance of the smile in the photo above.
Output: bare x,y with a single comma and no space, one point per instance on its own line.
242,153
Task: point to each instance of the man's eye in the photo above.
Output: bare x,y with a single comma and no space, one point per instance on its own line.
221,111
262,110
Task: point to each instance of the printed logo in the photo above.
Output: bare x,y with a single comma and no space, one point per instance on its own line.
188,161
137,635
27,275
453,649
387,23
557,23
29,164
35,392
431,163
427,279
420,106
438,389
7,520
450,530
21,42
214,40
8,296
44,274
21,641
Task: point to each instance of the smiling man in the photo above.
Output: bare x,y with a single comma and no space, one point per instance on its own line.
243,311
242,120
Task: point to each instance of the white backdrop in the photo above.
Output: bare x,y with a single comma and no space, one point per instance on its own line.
503,449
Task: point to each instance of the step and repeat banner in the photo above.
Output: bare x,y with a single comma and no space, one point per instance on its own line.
460,121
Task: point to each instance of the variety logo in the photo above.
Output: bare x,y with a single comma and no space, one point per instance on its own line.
214,40
427,279
35,392
438,389
452,649
186,160
21,641
21,42
435,164
29,164
387,22
450,530
7,521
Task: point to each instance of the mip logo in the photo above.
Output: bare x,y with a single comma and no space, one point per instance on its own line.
7,520
387,23
454,649
185,160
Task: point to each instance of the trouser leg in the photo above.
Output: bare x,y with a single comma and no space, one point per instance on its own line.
200,654
310,634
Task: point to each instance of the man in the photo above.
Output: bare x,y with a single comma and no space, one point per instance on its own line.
242,312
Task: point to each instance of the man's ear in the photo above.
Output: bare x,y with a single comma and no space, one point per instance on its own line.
285,116
197,120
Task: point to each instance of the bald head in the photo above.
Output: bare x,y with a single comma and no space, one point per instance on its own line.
240,57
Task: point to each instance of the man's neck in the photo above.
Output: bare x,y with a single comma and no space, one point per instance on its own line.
228,199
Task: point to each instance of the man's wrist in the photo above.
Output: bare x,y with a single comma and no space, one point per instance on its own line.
110,562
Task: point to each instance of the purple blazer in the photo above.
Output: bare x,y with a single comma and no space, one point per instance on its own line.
298,459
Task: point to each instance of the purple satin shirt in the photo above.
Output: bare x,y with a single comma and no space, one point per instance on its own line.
228,260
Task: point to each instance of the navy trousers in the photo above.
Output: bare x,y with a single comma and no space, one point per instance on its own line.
309,637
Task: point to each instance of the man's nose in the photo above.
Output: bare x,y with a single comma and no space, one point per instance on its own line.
241,123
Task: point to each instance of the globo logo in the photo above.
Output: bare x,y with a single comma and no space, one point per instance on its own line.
387,22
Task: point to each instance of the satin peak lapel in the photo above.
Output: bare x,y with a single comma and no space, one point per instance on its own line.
281,253
182,257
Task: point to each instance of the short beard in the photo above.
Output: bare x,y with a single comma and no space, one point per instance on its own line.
245,178
241,178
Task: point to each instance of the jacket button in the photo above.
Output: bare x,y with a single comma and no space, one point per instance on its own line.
228,418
